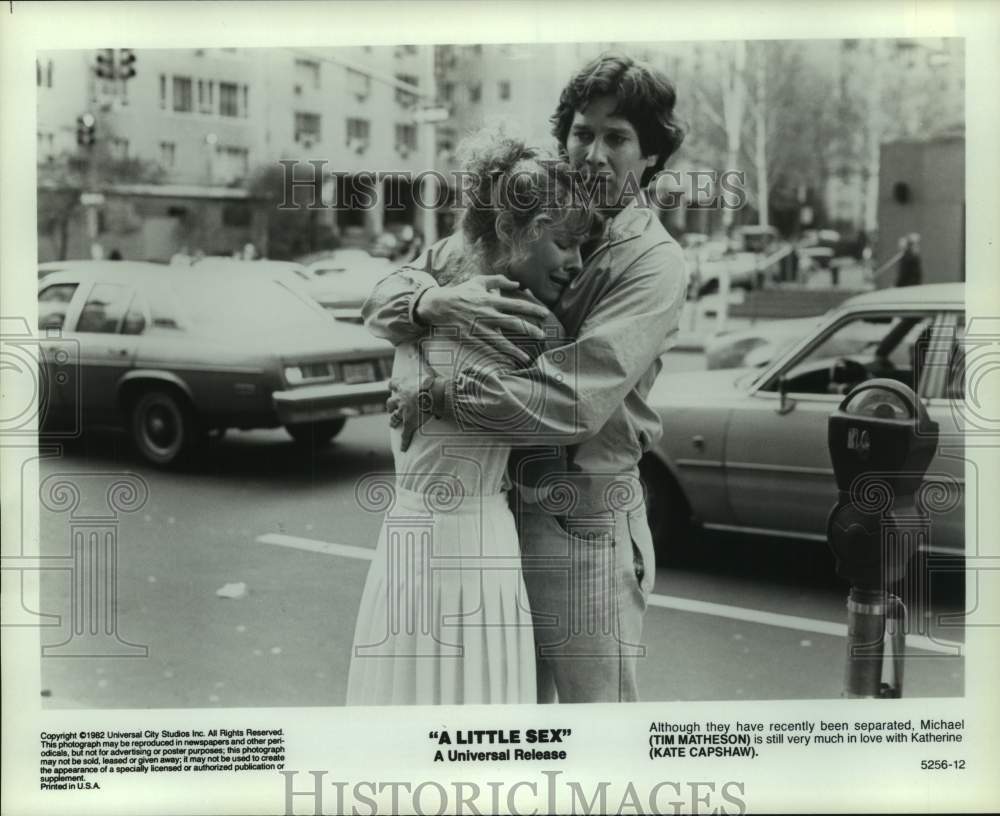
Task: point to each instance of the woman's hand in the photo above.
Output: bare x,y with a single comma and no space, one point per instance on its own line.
482,315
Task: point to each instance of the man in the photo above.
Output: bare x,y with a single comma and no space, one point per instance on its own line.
587,551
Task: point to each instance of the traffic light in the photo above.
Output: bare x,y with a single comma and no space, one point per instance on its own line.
106,63
86,126
126,63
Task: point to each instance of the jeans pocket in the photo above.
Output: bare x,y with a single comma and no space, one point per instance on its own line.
643,554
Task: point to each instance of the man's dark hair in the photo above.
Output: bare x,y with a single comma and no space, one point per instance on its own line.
646,98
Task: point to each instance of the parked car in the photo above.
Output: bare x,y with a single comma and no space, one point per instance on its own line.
171,354
741,260
48,267
757,345
341,295
348,276
746,449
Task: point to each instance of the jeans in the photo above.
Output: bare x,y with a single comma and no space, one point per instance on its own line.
588,581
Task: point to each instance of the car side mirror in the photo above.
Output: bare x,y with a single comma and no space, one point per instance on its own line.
785,403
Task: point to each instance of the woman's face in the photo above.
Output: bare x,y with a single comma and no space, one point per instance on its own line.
548,264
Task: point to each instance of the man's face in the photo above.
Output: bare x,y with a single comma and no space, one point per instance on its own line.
607,146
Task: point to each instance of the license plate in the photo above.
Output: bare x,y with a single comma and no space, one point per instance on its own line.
359,372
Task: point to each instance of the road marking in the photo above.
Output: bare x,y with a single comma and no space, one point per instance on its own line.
312,545
819,627
738,613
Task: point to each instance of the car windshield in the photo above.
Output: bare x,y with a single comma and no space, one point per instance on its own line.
241,304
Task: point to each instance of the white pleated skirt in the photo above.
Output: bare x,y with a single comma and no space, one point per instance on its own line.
444,617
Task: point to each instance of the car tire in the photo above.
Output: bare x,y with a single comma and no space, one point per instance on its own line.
667,512
316,434
163,426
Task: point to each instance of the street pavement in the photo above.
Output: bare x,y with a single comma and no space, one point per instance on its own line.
282,531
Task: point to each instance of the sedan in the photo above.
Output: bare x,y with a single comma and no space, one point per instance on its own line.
341,295
173,353
746,449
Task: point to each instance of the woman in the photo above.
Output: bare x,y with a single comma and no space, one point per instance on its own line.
444,617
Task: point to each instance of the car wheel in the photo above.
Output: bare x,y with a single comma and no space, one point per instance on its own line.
316,434
163,427
667,512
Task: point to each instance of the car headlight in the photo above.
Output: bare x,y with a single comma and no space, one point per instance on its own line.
293,375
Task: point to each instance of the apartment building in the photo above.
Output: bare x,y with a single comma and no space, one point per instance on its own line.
201,124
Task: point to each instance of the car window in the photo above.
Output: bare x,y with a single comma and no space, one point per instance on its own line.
863,348
954,387
52,304
104,309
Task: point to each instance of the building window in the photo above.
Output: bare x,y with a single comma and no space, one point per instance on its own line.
168,154
307,127
358,133
232,163
447,91
206,96
229,101
119,148
307,73
406,138
163,92
246,101
46,146
446,139
475,92
182,94
43,75
405,97
503,88
358,83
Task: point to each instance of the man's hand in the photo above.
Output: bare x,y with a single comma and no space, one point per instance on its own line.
481,313
409,405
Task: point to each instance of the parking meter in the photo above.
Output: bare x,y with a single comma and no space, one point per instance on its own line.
881,443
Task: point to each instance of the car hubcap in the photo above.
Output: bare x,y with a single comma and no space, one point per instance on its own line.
161,428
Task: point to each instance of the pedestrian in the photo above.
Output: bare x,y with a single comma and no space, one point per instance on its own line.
440,621
910,270
587,551
115,255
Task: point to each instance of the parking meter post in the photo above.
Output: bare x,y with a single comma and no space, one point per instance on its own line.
881,442
866,615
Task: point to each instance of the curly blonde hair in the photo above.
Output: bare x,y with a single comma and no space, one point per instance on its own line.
516,192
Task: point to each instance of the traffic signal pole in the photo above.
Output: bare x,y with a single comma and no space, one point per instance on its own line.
108,71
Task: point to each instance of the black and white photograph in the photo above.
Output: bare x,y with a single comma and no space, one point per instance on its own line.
451,388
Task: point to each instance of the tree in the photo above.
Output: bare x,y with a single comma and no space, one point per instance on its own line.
64,178
290,232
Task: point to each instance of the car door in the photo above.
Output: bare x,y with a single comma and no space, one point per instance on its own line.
778,472
942,390
60,358
105,352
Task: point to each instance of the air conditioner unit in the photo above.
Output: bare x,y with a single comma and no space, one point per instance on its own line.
306,141
359,146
